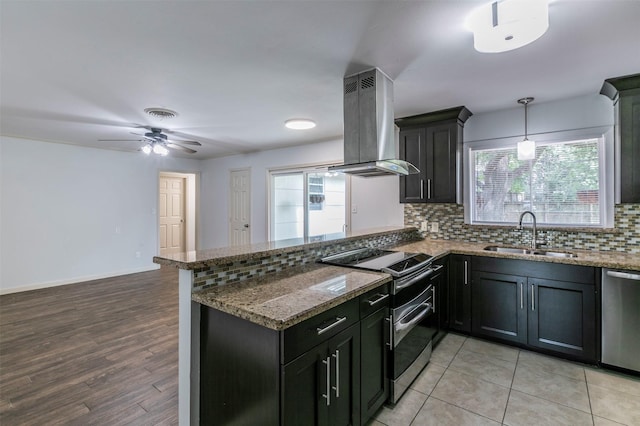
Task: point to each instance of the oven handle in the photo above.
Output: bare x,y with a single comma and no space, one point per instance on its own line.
404,325
420,277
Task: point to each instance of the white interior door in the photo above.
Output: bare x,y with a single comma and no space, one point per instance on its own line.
171,214
240,207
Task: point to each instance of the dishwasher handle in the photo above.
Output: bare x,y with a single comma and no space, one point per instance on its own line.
624,275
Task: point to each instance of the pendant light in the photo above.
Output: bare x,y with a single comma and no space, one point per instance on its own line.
526,148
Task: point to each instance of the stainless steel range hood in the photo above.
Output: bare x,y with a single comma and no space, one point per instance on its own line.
370,146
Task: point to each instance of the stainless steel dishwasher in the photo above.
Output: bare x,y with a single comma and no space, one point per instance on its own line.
621,319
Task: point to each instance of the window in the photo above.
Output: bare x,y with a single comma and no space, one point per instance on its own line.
306,203
565,185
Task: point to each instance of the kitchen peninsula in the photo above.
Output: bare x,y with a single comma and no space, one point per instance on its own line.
277,285
207,269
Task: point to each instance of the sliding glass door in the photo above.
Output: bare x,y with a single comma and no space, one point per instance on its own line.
307,203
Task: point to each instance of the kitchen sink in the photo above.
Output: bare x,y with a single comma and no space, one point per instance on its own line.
517,250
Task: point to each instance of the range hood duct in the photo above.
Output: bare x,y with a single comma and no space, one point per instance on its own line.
370,145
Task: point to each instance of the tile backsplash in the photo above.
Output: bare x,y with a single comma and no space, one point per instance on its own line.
280,260
624,237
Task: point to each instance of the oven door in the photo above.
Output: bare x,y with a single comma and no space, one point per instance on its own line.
413,332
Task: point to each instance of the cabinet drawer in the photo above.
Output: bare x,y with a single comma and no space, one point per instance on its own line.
304,336
374,300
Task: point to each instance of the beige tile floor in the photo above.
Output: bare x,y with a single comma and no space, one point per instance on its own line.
473,382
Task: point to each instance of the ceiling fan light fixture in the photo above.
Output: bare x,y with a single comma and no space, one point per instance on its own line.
160,149
147,149
161,113
300,124
504,25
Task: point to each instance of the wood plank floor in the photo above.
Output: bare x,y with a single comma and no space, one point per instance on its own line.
100,352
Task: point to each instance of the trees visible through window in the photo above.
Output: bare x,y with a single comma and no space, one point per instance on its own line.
562,185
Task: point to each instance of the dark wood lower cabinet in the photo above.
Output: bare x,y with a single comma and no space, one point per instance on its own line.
562,317
553,308
331,369
498,306
322,386
459,296
374,337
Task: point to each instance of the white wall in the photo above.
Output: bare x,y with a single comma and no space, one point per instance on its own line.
61,205
376,198
568,114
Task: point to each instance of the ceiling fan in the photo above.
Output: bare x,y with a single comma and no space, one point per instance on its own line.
158,142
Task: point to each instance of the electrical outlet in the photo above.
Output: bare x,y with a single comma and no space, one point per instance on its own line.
138,254
434,227
118,229
424,226
354,209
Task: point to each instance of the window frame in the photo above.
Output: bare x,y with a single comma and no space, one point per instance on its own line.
605,136
304,170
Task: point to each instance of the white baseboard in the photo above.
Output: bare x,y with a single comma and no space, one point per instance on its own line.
57,283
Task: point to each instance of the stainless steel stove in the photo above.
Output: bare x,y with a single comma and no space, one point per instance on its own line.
413,305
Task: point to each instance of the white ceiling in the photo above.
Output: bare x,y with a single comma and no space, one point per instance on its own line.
78,71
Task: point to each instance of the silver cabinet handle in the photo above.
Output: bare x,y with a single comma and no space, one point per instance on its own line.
380,298
521,297
337,386
390,320
624,275
330,326
533,297
428,189
434,299
421,188
466,272
327,363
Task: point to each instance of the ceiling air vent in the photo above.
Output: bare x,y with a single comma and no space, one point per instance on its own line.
161,113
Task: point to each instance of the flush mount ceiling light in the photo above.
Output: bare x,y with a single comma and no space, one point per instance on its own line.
505,25
161,113
526,148
300,124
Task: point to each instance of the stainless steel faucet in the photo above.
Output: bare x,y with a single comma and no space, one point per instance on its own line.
534,237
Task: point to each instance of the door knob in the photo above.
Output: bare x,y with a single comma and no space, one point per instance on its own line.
246,225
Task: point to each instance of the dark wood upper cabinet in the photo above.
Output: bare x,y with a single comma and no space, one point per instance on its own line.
433,143
625,93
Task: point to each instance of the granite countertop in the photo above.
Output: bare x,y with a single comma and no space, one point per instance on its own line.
604,259
218,256
287,298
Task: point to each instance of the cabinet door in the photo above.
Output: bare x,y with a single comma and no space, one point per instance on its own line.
441,307
460,293
498,307
375,336
562,317
442,142
305,385
629,123
344,355
413,149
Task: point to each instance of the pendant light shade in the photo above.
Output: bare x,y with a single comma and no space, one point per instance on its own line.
504,25
526,149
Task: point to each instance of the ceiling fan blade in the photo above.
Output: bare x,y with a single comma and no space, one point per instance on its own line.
119,140
195,143
181,148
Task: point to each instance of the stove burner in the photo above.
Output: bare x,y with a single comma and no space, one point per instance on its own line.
396,263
